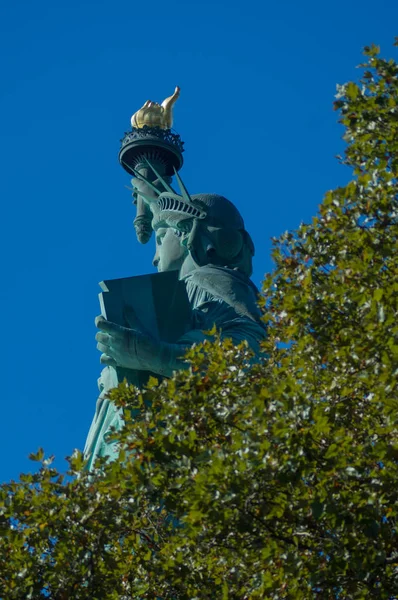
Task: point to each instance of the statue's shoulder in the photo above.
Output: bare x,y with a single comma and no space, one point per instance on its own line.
213,276
215,272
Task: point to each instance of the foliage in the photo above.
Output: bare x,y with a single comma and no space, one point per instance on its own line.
246,479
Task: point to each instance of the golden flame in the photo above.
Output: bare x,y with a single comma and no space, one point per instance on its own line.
156,115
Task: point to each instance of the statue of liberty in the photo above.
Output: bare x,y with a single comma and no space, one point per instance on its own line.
202,239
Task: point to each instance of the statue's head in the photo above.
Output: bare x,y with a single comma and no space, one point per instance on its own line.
206,228
211,228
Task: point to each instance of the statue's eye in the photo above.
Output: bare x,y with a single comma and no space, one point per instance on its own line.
177,232
159,238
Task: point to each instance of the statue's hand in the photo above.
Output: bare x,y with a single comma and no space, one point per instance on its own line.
140,187
123,347
132,349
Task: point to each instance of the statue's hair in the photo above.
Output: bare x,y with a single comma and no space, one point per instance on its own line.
242,261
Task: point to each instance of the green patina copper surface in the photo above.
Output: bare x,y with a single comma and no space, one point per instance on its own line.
202,240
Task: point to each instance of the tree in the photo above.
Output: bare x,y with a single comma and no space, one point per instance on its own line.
241,479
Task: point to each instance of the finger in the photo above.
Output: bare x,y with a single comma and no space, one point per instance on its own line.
115,330
136,182
104,338
145,187
104,348
99,319
108,360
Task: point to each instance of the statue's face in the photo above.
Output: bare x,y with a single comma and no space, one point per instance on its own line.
170,254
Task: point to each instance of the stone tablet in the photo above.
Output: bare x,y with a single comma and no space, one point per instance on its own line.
155,304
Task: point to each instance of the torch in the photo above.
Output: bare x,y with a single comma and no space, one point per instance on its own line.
151,139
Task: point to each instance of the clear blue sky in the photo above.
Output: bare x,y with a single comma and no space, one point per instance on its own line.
257,80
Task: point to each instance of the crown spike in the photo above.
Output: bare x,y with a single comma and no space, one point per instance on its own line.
160,178
184,191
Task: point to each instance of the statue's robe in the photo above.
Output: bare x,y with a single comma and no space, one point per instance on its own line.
218,296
